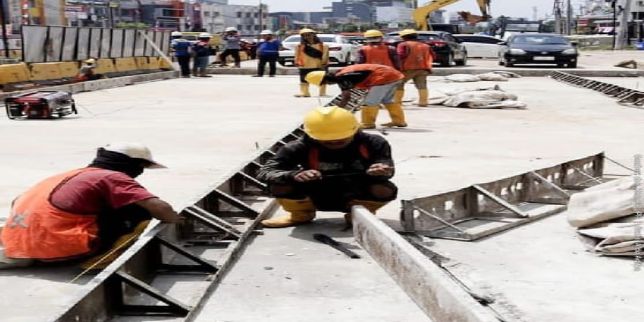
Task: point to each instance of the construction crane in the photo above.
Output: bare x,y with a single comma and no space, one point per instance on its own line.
421,13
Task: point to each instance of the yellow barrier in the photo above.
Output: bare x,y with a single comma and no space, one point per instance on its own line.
14,73
68,69
125,64
104,66
142,63
163,64
153,63
45,71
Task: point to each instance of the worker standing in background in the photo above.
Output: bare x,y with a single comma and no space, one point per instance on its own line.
232,39
416,60
181,48
381,81
85,211
86,71
201,50
267,52
310,55
375,51
333,167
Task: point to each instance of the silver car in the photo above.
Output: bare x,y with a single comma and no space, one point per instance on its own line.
341,50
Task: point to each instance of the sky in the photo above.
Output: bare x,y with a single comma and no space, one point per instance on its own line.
513,8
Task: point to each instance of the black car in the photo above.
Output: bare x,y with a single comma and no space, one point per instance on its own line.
538,48
447,49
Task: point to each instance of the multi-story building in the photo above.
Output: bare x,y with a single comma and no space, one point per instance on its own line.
36,12
249,20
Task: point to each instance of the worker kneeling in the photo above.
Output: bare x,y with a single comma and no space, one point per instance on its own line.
84,212
333,167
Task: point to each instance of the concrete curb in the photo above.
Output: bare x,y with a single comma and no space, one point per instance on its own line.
99,84
428,285
438,71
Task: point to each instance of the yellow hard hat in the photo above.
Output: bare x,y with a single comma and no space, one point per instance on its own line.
328,123
407,32
315,77
307,31
373,33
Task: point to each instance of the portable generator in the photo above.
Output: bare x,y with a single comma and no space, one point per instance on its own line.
40,105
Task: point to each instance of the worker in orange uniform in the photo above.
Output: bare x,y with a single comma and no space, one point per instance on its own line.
310,55
83,212
333,167
416,60
381,81
375,51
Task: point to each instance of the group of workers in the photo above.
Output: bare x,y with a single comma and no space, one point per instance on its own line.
381,69
81,214
199,50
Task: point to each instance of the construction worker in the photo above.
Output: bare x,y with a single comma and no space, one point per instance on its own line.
181,48
267,52
333,167
86,71
83,212
375,51
310,55
416,60
201,50
233,46
381,81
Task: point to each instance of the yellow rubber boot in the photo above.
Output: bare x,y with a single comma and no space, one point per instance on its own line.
102,260
423,96
371,205
368,116
304,90
397,115
322,90
300,212
398,96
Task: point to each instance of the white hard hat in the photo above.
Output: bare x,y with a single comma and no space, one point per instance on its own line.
204,35
176,34
266,32
230,29
136,151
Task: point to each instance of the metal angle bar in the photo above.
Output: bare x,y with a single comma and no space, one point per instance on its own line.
584,173
207,267
500,201
173,307
229,227
443,221
235,202
551,185
211,223
252,180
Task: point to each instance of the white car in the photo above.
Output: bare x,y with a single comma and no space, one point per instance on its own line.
480,45
341,50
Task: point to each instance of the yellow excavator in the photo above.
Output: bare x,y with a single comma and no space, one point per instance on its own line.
421,13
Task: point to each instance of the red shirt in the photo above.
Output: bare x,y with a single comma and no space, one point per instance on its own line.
97,191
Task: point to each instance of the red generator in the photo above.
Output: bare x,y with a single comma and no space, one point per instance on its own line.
40,105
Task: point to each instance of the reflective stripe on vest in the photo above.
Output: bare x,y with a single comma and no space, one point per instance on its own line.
37,229
380,74
314,156
419,56
377,54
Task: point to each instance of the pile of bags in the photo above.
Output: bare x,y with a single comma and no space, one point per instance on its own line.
492,97
605,220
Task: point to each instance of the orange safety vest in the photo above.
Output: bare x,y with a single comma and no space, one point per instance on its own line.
314,156
37,229
419,56
305,61
377,54
380,74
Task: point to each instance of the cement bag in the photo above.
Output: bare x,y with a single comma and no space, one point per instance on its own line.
484,99
614,239
507,74
462,78
492,77
600,204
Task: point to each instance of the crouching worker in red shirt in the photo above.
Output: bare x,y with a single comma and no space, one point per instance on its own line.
84,212
333,167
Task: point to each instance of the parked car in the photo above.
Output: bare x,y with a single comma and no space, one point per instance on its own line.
538,49
341,50
482,46
447,49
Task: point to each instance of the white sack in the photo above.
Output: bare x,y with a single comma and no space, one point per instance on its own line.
601,203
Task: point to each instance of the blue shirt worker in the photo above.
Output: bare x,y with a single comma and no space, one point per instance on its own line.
181,48
267,52
233,46
202,51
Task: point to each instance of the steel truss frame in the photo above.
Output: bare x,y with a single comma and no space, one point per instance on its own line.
623,94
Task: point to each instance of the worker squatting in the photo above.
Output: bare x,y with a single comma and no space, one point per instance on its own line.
84,214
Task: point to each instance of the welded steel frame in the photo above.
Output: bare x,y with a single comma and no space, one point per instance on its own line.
214,215
624,95
501,201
